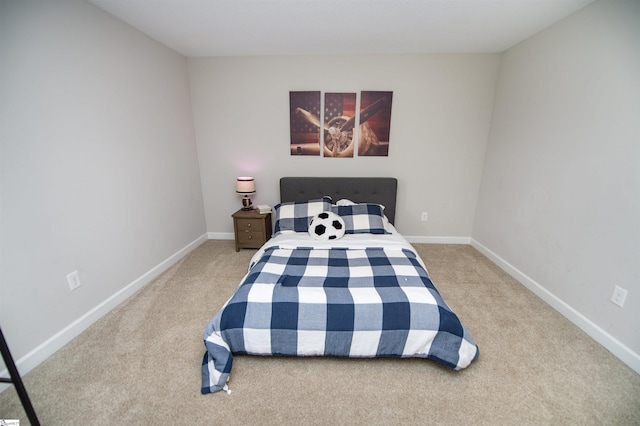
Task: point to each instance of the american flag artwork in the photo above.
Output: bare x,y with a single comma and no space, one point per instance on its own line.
375,123
304,111
339,119
342,130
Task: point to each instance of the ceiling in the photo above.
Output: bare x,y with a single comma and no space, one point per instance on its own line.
338,27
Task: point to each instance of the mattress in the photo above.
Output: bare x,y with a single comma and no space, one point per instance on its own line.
363,296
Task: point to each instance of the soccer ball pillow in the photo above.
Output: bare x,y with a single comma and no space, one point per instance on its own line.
326,226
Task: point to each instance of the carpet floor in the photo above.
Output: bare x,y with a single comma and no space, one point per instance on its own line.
140,364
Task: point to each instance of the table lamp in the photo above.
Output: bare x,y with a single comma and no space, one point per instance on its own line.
245,185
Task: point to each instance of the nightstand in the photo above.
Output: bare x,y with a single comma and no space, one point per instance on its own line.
251,228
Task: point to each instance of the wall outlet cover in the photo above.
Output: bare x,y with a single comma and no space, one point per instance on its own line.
619,295
74,280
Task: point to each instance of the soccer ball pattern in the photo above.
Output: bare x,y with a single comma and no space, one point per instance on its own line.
327,226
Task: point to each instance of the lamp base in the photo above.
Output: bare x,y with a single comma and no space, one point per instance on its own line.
246,203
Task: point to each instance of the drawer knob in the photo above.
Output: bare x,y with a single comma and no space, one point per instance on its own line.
248,225
250,236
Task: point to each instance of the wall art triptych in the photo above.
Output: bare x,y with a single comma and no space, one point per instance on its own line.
342,127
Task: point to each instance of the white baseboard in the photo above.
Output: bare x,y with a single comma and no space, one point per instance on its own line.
64,336
438,240
613,345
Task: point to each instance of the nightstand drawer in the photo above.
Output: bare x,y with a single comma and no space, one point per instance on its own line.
245,237
249,224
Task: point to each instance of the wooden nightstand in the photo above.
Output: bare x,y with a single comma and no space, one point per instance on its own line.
251,228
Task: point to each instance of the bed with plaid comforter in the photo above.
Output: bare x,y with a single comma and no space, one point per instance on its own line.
339,301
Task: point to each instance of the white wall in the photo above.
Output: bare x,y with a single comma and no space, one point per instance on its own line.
560,197
442,107
99,167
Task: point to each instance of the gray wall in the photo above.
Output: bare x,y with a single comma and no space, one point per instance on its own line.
441,114
560,197
99,167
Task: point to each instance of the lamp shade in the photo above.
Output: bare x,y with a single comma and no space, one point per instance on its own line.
245,185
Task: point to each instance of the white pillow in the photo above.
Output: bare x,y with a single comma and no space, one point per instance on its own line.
345,202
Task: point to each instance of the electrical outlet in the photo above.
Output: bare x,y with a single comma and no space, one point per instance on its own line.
74,280
619,295
424,216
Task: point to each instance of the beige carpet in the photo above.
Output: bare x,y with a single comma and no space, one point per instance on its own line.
140,364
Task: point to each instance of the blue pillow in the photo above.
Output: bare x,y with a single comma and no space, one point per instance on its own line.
296,216
362,218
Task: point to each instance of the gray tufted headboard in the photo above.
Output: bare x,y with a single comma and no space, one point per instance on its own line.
381,190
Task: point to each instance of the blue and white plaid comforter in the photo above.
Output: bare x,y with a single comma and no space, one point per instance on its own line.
362,302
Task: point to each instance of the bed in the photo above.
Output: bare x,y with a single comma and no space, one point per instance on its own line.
336,279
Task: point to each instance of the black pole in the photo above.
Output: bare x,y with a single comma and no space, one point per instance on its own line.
17,381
